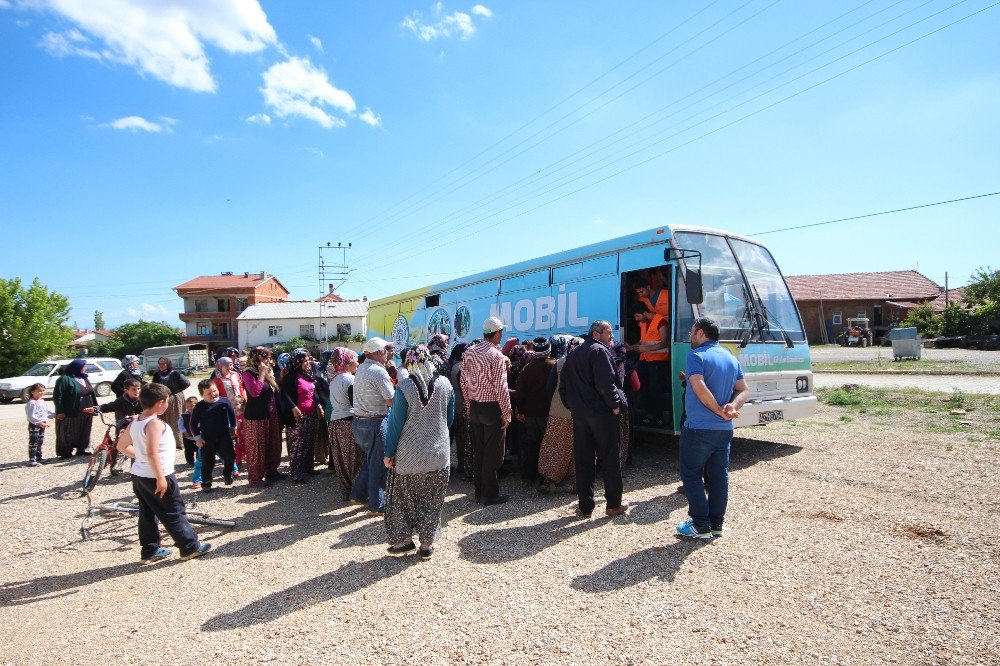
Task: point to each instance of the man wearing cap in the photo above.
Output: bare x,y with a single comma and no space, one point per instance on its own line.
533,401
372,398
487,401
589,387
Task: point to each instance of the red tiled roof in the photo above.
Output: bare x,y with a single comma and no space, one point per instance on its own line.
890,285
330,298
99,331
240,281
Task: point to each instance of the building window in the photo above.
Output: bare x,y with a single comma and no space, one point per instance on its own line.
307,331
838,318
223,304
862,315
200,305
201,328
273,331
242,304
343,331
221,329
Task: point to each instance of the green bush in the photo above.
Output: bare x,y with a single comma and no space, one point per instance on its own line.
927,323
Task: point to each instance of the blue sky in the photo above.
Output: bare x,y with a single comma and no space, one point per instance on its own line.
144,142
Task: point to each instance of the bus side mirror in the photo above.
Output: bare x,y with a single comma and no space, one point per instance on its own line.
692,285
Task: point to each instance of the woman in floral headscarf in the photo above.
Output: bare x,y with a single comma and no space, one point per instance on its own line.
345,456
460,432
130,365
555,456
261,426
418,455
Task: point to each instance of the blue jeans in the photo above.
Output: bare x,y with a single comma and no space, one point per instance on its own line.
369,485
705,452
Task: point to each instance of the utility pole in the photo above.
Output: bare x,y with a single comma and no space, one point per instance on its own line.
332,276
947,296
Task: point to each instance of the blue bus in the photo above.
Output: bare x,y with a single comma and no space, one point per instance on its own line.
701,272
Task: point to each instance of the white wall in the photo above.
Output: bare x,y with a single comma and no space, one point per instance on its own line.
253,332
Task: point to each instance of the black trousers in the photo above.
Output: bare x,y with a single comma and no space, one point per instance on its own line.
190,450
221,447
485,422
596,434
532,433
168,510
653,378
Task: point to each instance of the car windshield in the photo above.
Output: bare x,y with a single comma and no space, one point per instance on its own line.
39,370
730,301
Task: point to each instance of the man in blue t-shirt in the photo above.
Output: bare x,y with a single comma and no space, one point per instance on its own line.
716,392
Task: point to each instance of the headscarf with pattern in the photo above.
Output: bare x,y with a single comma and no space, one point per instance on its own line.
295,363
422,371
559,345
340,358
131,364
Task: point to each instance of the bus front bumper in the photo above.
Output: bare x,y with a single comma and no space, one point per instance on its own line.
762,412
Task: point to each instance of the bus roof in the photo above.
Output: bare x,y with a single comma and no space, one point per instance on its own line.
658,235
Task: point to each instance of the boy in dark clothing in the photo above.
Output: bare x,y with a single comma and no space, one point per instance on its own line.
128,403
184,426
213,424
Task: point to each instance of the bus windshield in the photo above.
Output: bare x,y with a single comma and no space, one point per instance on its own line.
730,301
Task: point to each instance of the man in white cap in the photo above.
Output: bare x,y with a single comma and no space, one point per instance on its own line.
487,401
372,398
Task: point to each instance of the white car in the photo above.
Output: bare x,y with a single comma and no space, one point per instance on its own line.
100,371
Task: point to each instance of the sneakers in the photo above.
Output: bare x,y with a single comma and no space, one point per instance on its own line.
196,485
688,530
402,549
716,533
202,549
425,553
160,554
34,463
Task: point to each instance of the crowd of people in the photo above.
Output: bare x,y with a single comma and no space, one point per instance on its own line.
556,410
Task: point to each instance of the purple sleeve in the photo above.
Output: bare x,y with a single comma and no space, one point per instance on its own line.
253,385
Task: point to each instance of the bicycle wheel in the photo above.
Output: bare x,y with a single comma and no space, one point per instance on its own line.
94,469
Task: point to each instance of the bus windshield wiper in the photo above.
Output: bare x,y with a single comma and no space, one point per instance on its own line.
765,321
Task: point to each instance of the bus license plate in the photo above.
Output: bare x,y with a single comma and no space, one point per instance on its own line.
770,417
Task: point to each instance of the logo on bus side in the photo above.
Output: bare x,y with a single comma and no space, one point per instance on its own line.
542,313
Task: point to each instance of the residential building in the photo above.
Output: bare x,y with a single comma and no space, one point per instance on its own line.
212,304
273,323
826,302
84,337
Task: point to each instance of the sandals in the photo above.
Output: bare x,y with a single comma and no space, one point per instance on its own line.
425,553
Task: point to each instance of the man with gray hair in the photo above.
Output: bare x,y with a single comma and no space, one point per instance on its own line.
589,387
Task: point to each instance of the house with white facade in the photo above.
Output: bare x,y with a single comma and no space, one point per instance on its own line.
273,323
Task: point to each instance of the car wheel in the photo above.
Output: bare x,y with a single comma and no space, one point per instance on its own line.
6,400
103,389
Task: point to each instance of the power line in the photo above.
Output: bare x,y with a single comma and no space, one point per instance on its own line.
884,212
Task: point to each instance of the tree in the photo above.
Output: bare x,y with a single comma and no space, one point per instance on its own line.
133,338
984,287
98,320
32,325
924,319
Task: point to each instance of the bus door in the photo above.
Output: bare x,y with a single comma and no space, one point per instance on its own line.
653,407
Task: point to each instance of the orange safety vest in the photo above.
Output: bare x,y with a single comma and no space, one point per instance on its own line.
650,332
662,304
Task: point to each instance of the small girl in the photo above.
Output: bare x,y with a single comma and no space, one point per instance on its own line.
38,420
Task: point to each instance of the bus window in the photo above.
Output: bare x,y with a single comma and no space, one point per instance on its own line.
766,281
722,284
583,270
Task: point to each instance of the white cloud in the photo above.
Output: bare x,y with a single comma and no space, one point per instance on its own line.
165,39
154,310
296,87
599,221
370,117
143,310
311,150
259,119
4,4
137,123
317,42
457,23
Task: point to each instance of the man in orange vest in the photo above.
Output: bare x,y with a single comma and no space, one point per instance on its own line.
654,348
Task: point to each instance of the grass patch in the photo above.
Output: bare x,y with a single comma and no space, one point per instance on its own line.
930,411
923,365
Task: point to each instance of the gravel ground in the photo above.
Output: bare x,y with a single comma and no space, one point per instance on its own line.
869,542
987,360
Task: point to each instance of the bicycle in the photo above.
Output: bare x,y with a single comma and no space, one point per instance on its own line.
106,453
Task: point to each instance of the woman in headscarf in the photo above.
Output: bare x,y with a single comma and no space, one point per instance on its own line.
460,432
555,457
227,380
282,362
619,358
298,387
345,456
130,365
321,451
509,345
261,427
177,383
418,455
438,347
233,354
74,398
